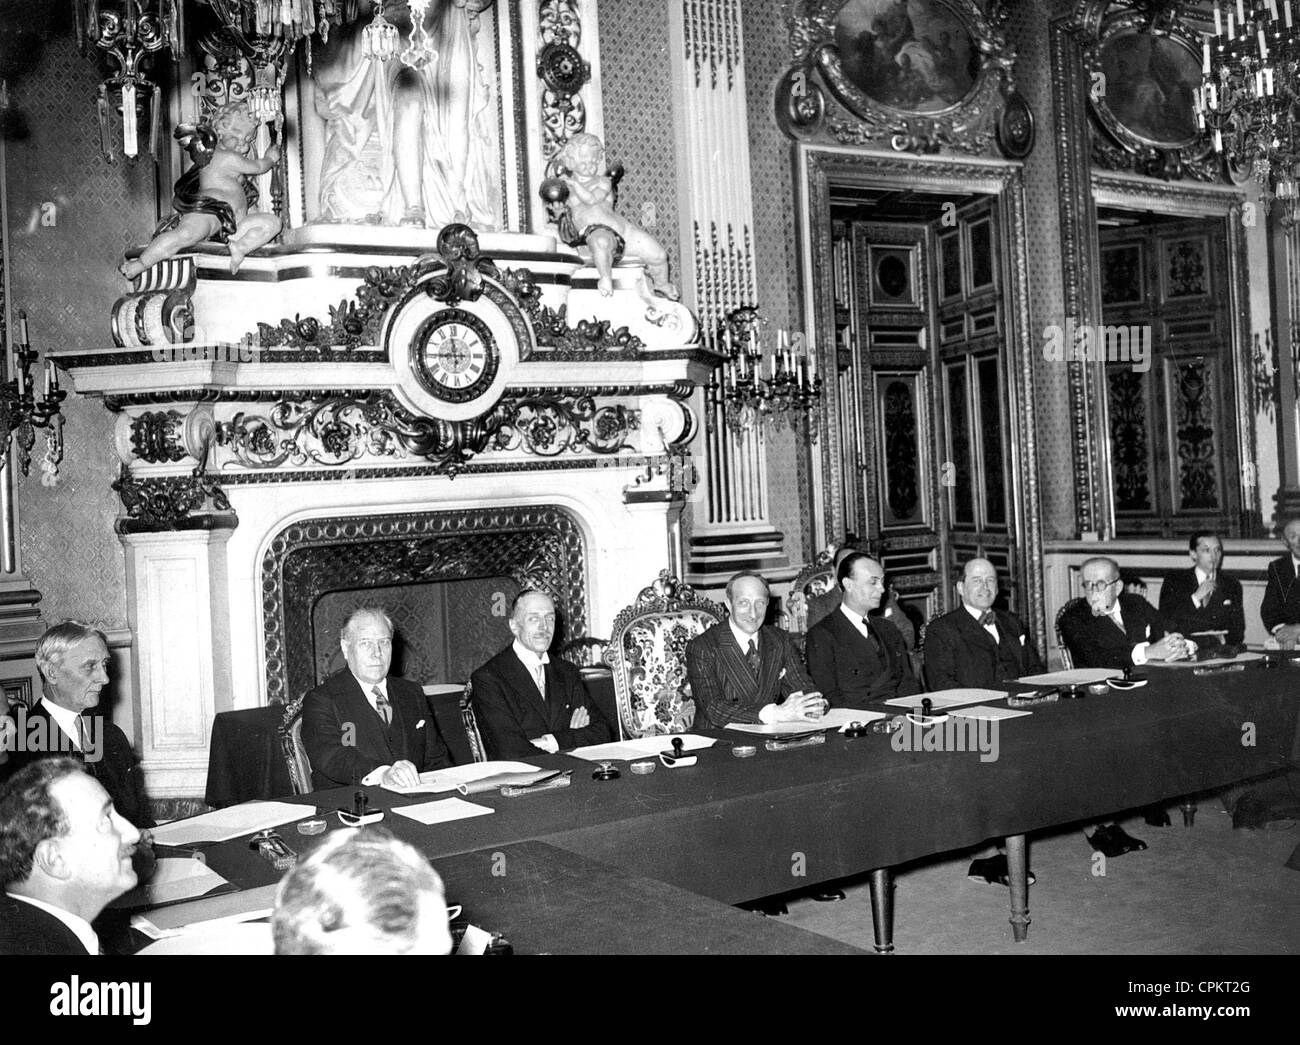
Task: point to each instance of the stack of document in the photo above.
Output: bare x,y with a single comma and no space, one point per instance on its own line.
645,747
223,824
453,779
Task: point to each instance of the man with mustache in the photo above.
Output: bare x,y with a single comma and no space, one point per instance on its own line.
65,854
1107,629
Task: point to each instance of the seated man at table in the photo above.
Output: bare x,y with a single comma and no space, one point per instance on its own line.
976,646
856,658
73,660
361,892
1280,609
65,854
527,701
822,606
1204,599
1107,629
364,726
744,671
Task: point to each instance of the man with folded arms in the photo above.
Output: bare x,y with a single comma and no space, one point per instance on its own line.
978,647
854,657
65,854
1107,629
1280,609
527,701
364,726
1204,599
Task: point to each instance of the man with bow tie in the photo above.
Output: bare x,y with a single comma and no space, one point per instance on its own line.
1280,609
364,726
855,657
1108,629
743,671
976,646
527,701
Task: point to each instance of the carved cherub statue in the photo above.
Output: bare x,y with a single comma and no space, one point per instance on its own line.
590,198
212,198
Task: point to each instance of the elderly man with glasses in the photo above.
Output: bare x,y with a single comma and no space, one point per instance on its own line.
364,726
1111,629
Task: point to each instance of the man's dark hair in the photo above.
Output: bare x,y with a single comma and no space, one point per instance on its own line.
29,814
845,569
1195,539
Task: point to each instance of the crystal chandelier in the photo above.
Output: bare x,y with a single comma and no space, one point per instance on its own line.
1251,91
754,382
21,412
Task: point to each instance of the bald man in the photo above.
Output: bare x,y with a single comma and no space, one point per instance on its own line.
976,646
1108,629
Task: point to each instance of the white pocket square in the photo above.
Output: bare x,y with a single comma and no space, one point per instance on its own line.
1022,639
420,724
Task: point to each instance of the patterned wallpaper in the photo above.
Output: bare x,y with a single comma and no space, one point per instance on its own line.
65,276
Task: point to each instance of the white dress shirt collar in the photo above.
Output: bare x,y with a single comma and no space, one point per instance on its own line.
529,659
66,719
858,620
74,922
742,640
368,689
1201,576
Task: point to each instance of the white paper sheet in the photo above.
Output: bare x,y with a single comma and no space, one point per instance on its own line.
949,698
174,878
1073,677
639,748
1214,662
979,711
243,906
242,938
223,824
443,811
475,940
836,718
443,780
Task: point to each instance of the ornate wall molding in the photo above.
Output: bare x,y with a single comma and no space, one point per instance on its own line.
168,503
541,546
563,72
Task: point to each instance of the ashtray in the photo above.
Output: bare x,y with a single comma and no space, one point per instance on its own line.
642,768
1097,688
743,750
311,827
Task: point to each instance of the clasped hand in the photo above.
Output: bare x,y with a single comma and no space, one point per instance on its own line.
801,705
1172,647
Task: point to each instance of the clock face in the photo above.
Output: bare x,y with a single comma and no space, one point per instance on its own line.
455,355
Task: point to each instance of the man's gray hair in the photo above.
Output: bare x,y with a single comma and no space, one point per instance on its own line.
357,884
345,633
52,646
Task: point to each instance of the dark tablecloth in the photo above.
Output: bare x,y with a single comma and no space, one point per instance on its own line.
738,829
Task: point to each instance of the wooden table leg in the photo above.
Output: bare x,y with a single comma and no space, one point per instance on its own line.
1018,873
882,909
1189,812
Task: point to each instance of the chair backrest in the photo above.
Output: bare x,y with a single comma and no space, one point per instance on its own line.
807,603
291,747
1066,659
647,654
470,722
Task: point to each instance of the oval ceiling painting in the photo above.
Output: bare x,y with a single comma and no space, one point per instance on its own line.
914,55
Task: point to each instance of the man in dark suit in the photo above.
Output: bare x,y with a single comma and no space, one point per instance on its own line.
822,606
65,854
743,671
1113,630
1280,609
976,646
854,657
1203,599
364,726
73,661
527,701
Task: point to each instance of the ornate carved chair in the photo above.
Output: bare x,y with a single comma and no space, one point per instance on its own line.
291,747
647,654
470,722
1067,661
815,580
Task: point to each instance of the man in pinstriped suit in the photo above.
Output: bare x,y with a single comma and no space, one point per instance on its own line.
741,671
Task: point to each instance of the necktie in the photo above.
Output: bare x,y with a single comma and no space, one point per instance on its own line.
539,676
752,656
382,706
876,644
987,620
83,734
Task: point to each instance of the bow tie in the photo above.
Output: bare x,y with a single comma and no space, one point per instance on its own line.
987,620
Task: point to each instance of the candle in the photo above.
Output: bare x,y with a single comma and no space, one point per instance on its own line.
1218,141
130,133
1268,80
1232,34
798,373
21,376
22,328
1263,47
49,378
1272,9
1218,19
812,366
1205,65
1241,11
1286,11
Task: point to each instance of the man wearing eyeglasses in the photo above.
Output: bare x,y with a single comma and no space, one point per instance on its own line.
364,726
856,658
1109,629
976,646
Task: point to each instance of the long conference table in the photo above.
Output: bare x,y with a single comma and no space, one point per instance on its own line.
731,830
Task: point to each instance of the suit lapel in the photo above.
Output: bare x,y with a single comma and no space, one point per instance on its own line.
976,631
855,640
525,685
769,665
736,668
359,710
